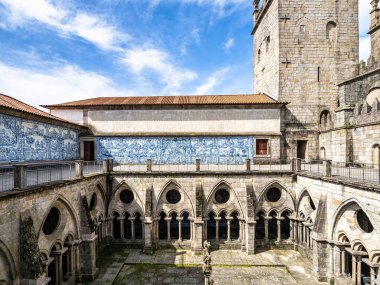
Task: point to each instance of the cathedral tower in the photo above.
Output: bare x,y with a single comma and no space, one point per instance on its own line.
302,50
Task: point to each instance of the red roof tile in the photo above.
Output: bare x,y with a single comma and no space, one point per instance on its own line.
14,104
249,99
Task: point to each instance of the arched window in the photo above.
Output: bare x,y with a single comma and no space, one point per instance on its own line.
322,153
127,226
211,226
235,226
185,226
331,33
260,226
272,226
138,226
162,227
223,226
116,226
325,119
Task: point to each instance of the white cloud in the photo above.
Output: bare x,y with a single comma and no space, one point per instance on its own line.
214,80
229,44
139,60
58,85
89,27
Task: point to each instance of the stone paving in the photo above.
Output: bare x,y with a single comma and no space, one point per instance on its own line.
230,267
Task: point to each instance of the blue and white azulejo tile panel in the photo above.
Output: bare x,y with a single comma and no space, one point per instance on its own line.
26,140
176,150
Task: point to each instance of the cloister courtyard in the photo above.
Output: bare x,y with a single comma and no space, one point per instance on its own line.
120,265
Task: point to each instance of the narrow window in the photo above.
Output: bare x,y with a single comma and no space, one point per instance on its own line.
258,56
319,74
261,147
267,43
302,28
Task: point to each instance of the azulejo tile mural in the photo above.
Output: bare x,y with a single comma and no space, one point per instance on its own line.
24,140
176,150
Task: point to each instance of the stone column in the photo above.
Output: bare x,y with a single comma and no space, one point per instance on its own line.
295,231
343,261
353,269
191,230
71,258
327,166
168,227
241,230
149,165
359,270
198,236
337,261
373,275
78,276
228,228
205,228
198,165
291,230
133,234
121,220
179,229
58,265
266,220
217,228
248,164
330,273
279,228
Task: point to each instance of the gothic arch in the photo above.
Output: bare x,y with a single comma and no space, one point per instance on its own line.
233,204
70,209
286,200
186,204
119,206
8,270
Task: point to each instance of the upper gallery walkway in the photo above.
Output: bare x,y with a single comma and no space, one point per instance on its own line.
24,175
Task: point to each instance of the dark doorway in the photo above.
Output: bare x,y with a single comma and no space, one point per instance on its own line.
174,230
116,226
89,150
127,227
285,225
301,149
272,226
235,226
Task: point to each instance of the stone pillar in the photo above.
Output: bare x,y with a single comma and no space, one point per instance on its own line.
250,236
337,261
168,227
343,261
228,229
148,235
198,165
121,220
198,237
291,230
266,220
331,270
149,165
217,228
71,258
359,270
295,231
296,164
248,164
88,254
191,230
105,166
327,167
279,228
78,276
19,177
132,228
79,168
373,275
179,229
354,269
58,265
240,230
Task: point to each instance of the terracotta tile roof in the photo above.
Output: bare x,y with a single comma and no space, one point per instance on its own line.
248,99
14,104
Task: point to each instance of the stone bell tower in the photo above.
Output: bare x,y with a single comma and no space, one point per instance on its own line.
302,50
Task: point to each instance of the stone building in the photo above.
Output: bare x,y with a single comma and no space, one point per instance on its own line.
295,166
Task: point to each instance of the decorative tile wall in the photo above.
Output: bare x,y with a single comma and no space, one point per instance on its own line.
25,140
175,150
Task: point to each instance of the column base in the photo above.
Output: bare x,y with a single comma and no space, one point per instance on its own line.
90,276
148,250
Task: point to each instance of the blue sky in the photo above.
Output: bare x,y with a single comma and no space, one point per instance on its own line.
63,50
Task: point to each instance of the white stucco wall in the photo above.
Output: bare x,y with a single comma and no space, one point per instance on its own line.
187,122
74,116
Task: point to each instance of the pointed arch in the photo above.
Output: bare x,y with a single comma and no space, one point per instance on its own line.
217,186
172,183
342,208
70,209
9,261
276,184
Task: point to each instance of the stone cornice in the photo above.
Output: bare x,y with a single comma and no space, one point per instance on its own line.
359,77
